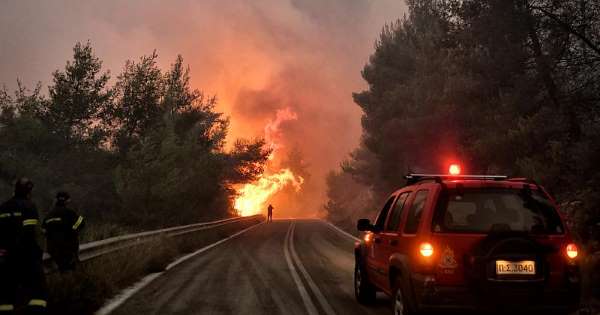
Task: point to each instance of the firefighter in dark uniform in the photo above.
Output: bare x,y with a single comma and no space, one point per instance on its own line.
20,252
270,213
62,226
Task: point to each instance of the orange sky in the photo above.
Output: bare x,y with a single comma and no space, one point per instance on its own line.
257,57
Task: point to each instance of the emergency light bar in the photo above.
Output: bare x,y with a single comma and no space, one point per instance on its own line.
414,178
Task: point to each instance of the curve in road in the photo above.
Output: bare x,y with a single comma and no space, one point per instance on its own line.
263,271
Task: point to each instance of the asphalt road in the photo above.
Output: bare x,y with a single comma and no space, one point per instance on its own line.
284,267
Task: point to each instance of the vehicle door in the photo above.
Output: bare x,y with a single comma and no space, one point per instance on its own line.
391,234
375,246
415,207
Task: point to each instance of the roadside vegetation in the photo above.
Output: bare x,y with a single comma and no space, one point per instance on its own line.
141,151
503,87
507,87
86,290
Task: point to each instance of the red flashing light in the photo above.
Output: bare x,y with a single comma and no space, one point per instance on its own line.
454,169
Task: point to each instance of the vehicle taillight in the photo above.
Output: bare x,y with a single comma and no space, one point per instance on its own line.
426,249
454,169
572,251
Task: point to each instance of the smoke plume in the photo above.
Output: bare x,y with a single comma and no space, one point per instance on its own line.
281,69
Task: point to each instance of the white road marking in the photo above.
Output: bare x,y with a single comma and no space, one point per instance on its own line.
316,291
122,297
342,231
308,303
126,294
188,256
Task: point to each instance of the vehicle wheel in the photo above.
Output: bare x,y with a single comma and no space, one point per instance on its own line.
401,303
363,289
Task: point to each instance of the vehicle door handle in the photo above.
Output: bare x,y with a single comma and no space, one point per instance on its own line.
377,240
394,243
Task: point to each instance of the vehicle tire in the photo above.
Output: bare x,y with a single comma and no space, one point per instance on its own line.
363,289
402,304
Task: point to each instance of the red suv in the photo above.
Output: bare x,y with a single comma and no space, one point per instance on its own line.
472,242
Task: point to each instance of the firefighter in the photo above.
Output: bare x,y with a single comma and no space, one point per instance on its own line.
270,213
62,226
20,252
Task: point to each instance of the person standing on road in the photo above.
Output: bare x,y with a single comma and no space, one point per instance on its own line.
20,252
270,213
62,226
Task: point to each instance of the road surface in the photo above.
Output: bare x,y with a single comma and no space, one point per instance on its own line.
284,267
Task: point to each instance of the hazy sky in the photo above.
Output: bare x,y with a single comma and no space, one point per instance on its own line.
257,56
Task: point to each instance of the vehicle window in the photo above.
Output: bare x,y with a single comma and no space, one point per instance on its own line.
396,213
383,214
486,210
415,212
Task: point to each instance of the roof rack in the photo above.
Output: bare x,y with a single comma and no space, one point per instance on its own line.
415,178
521,179
527,181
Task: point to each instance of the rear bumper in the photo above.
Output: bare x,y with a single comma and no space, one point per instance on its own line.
430,296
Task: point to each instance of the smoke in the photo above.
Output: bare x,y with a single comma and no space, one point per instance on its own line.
273,133
281,69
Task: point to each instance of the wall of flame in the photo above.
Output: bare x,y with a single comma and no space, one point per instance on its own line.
253,198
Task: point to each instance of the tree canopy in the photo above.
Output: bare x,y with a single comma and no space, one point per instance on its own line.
505,87
145,152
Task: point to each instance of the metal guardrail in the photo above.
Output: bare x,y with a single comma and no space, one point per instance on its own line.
95,249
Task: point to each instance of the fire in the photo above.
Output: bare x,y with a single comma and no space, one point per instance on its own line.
253,197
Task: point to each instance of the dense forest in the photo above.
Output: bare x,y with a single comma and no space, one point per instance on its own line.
503,86
147,151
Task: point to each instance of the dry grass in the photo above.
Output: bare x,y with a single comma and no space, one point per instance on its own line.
85,291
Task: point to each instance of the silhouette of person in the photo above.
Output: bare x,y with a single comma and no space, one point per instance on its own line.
21,253
270,213
63,226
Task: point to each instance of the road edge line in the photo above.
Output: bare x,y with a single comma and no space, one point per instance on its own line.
127,293
311,283
308,303
341,231
200,251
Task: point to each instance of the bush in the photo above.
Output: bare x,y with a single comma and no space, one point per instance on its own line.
84,291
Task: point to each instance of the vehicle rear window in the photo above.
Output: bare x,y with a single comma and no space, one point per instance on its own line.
415,212
487,210
396,213
383,214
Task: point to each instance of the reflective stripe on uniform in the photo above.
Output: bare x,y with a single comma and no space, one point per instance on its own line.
36,302
6,307
53,220
30,222
78,223
5,215
17,214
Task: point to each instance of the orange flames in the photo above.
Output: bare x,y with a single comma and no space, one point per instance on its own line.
253,197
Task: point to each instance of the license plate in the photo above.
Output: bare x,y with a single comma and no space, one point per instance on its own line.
525,267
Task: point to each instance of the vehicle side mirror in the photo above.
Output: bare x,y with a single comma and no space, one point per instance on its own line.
364,225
